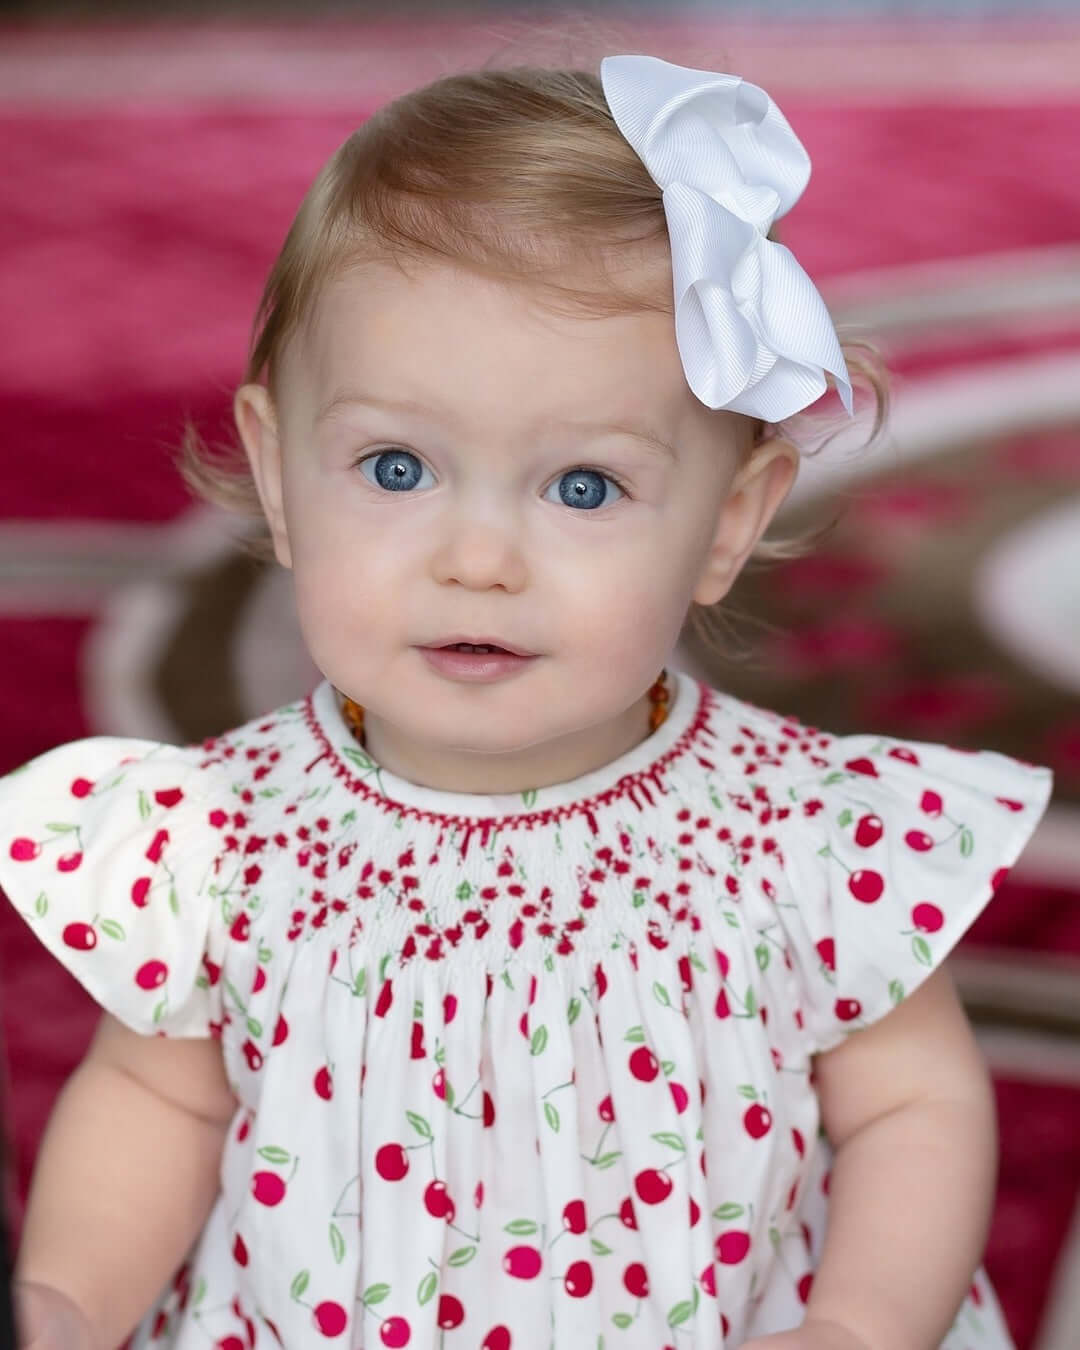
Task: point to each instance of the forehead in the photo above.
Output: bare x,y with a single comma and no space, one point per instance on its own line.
455,337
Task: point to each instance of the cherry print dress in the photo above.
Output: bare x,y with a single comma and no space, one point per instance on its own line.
520,1071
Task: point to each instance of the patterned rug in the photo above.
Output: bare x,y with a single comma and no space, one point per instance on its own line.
157,171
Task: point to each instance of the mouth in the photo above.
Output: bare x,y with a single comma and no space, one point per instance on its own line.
478,646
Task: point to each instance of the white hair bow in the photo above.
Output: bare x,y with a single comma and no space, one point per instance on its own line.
752,330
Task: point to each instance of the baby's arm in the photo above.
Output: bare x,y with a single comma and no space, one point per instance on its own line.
127,1174
908,1106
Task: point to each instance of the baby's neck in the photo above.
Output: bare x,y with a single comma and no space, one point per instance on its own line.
463,771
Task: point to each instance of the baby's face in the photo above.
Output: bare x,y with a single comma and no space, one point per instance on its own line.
453,462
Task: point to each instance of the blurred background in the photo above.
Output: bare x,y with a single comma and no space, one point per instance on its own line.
151,158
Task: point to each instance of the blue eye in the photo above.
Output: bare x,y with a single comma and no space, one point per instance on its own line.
394,470
585,489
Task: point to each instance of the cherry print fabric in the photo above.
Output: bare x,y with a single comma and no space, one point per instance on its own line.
517,1071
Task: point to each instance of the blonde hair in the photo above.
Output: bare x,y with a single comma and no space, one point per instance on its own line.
520,174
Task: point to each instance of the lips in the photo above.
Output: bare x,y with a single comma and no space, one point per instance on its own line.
479,645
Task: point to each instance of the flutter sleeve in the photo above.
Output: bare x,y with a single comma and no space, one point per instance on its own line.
104,851
893,851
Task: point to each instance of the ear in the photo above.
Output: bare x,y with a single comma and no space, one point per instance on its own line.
256,421
756,493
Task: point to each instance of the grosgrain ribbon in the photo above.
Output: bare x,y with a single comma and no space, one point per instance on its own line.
752,329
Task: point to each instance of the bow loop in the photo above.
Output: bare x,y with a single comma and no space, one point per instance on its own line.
753,332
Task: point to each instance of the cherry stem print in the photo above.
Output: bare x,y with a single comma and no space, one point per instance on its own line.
864,884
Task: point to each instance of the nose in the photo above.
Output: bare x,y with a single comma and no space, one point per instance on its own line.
480,556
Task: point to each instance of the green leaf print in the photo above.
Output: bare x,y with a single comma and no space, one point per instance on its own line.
300,1283
41,905
748,1091
668,1066
728,1211
144,805
845,817
383,963
635,1035
751,1002
837,776
607,1160
337,1243
762,955
200,1292
921,948
174,900
254,1026
671,1139
573,1008
521,1228
682,1312
661,994
551,1115
280,1156
417,1010
464,891
374,1293
419,1124
599,1249
529,796
60,828
113,929
360,983
539,1041
462,1256
159,1011
637,899
896,991
731,918
426,1291
358,757
967,843
622,1320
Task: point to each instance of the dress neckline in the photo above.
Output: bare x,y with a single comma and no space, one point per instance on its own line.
631,773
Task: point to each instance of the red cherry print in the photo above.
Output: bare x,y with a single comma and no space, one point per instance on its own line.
686,974
723,963
902,753
240,1251
757,1121
324,1084
80,936
605,1110
930,803
626,1213
918,840
927,918
707,1280
636,1279
862,765
732,1246
140,892
804,1286
799,1142
391,1162
268,1188
578,1279
395,1333
523,1263
451,1313
498,1338
1010,803
998,877
229,1343
489,1111
69,862
386,997
868,831
573,1217
281,1030
241,927
252,1054
449,1009
601,981
478,1195
653,1186
866,886
259,982
168,797
826,949
416,1043
723,1008
438,1084
82,787
680,1096
644,1064
151,974
157,846
23,850
695,1211
330,1318
975,1295
437,1201
847,1009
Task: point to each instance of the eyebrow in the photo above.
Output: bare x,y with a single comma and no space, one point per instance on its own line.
344,398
